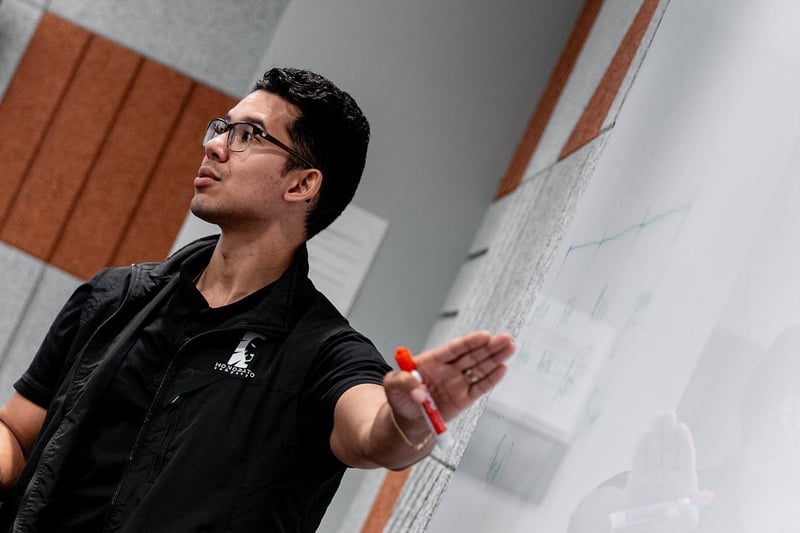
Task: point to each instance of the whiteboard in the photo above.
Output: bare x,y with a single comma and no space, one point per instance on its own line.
683,252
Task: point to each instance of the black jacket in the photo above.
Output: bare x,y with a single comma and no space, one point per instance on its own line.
224,447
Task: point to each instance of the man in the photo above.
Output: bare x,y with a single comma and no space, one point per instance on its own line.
218,390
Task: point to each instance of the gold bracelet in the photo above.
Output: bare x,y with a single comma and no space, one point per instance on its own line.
417,447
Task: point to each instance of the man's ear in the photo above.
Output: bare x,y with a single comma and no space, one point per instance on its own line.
304,185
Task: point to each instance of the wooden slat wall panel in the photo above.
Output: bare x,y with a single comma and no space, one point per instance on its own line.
68,150
104,165
163,209
33,96
123,170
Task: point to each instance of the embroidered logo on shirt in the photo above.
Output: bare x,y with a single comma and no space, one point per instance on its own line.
242,356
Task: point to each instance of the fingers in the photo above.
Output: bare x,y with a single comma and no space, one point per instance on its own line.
473,349
480,357
404,392
480,384
673,446
401,381
664,463
489,371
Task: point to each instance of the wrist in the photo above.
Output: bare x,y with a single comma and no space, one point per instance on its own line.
416,440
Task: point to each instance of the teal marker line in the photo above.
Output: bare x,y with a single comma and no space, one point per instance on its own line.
598,243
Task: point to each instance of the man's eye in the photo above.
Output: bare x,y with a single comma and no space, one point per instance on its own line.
249,133
220,128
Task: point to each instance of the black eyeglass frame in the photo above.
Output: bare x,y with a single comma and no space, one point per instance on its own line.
257,131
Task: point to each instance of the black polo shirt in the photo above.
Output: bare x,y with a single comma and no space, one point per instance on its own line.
228,431
85,491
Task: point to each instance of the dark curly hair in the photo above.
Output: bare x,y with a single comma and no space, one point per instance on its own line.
331,132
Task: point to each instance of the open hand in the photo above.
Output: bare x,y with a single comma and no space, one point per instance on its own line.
456,374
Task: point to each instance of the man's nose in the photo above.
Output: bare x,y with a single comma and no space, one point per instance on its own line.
217,147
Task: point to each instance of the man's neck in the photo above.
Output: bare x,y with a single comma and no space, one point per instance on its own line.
240,266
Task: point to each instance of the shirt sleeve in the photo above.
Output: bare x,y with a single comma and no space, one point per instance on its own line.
346,360
40,381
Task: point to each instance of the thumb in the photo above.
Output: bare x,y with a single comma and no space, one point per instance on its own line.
404,393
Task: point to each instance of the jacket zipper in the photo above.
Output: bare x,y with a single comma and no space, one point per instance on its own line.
137,441
174,410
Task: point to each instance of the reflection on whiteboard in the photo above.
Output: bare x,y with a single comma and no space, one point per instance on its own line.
340,256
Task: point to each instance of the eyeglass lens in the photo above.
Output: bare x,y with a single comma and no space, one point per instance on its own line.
239,134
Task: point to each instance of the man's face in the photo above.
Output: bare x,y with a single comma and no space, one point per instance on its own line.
246,187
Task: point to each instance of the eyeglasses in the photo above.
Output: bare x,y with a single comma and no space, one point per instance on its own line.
242,134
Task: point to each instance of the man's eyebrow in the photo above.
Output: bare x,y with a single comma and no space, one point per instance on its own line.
252,120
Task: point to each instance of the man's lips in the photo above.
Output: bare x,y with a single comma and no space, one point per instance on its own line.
205,177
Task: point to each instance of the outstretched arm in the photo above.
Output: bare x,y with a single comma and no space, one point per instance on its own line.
384,426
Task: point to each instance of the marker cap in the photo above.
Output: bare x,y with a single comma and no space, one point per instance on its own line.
403,357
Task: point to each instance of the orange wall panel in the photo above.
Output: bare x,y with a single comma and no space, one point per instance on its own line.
593,117
32,97
67,153
123,170
106,145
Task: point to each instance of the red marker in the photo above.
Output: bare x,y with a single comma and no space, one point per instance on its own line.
432,414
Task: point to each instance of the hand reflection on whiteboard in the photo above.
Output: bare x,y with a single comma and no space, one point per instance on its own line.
756,490
659,494
662,490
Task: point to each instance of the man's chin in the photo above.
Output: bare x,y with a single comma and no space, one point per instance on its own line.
203,212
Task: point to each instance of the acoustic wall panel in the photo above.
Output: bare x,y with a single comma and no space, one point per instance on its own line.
607,91
111,144
72,141
122,172
587,86
216,43
48,297
18,21
601,44
32,98
40,3
636,61
19,274
551,97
